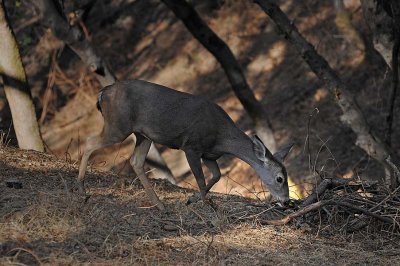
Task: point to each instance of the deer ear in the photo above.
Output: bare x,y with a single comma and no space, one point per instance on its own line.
259,148
283,152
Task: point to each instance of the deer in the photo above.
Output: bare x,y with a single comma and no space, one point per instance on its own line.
179,120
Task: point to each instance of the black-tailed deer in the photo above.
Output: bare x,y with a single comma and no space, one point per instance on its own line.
180,121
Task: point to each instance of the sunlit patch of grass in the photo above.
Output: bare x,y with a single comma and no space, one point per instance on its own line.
53,217
296,191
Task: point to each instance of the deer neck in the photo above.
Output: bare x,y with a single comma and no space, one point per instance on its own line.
242,148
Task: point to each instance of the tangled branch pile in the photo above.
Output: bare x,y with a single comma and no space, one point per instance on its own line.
348,205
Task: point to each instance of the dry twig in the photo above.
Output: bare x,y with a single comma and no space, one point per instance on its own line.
354,198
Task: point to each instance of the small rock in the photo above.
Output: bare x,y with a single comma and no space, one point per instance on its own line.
170,227
14,184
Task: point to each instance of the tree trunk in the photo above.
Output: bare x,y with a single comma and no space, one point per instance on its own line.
17,89
217,47
383,18
74,37
352,115
381,25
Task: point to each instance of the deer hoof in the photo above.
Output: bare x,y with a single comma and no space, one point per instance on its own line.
161,207
194,198
79,188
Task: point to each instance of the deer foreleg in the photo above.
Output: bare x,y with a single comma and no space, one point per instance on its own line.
194,161
214,169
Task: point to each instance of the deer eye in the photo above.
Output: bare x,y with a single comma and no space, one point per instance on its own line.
279,179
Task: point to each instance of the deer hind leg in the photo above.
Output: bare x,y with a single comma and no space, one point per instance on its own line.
212,165
106,138
137,161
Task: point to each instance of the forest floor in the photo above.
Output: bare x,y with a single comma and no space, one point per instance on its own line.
44,223
156,47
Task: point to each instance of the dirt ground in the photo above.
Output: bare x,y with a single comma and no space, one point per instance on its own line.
43,223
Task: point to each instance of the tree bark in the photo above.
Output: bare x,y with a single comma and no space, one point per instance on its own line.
383,18
17,89
352,115
73,36
217,47
381,25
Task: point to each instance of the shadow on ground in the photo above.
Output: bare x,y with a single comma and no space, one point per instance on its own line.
45,223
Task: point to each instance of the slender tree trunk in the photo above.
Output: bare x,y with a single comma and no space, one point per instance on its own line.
383,19
72,35
217,47
352,115
17,89
381,25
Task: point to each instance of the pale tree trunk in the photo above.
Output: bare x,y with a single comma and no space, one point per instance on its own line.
74,37
17,89
352,115
218,48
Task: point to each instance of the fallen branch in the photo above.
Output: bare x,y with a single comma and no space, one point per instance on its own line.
327,183
331,183
319,205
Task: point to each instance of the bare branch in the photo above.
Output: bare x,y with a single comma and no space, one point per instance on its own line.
321,204
352,115
74,37
327,183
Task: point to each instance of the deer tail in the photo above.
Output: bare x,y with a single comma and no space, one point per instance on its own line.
100,98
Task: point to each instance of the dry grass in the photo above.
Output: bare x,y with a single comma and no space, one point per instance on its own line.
44,223
274,71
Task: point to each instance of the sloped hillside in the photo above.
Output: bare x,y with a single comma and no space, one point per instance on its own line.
44,223
143,39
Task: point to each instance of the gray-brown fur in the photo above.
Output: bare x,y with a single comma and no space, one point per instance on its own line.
183,121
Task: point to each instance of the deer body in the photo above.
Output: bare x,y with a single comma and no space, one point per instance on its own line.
168,117
180,121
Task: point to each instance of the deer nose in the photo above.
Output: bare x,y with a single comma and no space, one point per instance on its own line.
286,202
